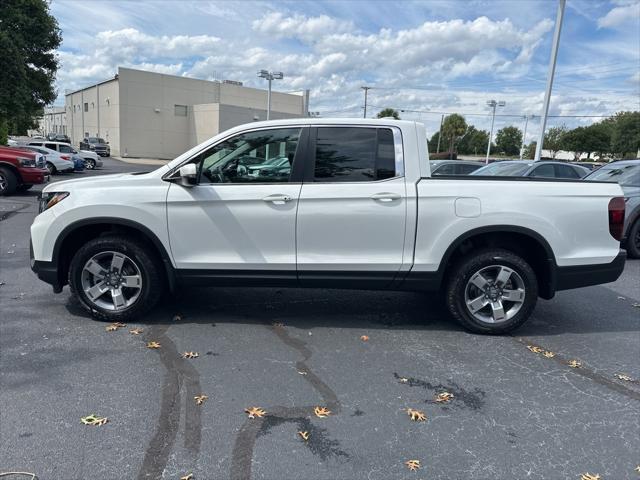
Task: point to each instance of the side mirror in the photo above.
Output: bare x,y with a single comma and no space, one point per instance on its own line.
188,175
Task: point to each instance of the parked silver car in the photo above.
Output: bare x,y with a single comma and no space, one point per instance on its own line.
526,168
627,174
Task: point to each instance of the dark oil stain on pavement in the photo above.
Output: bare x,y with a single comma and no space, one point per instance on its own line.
318,442
180,375
473,399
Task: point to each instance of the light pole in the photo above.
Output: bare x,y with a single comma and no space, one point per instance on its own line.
366,90
440,134
270,76
552,71
524,135
493,104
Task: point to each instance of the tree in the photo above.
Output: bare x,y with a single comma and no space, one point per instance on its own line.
625,133
509,140
530,151
474,141
576,141
453,127
389,112
433,142
29,36
553,140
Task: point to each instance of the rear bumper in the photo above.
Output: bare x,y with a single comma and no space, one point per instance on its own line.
585,275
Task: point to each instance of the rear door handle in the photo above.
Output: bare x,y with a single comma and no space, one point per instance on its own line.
277,199
386,197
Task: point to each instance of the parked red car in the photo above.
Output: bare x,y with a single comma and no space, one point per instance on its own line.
20,170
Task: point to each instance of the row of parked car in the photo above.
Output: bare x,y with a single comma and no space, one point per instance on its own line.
625,172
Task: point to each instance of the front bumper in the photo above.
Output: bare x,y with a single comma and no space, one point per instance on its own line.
46,271
34,176
585,275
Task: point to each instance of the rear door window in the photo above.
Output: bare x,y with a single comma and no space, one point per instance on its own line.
352,154
565,171
544,171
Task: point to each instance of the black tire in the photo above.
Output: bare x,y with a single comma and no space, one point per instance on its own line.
153,281
89,163
51,168
8,182
459,281
633,240
24,188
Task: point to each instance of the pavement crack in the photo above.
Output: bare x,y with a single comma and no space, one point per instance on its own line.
180,375
318,443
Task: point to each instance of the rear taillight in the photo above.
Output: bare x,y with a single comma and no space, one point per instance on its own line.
65,157
616,217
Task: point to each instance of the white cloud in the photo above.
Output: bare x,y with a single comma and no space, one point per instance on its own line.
621,15
308,29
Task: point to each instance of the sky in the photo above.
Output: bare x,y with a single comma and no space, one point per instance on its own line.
423,58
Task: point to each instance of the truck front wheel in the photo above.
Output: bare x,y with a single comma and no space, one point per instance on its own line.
115,278
492,291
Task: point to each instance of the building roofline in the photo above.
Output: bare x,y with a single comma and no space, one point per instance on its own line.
115,77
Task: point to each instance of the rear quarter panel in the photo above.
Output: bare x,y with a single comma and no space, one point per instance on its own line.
571,216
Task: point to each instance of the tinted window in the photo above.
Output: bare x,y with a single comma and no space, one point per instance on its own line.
348,154
254,157
625,174
467,169
565,171
52,146
446,169
544,171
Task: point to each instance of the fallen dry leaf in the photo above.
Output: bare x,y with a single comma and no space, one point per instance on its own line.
302,373
412,465
549,354
403,380
304,435
624,377
321,412
111,328
188,476
254,412
416,415
364,338
575,364
94,420
200,399
136,331
588,476
534,349
637,305
153,345
190,355
119,324
177,318
444,397
278,324
637,469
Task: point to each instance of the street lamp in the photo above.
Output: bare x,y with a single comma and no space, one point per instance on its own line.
493,104
524,135
270,76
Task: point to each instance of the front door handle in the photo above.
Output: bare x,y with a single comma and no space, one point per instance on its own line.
386,197
277,199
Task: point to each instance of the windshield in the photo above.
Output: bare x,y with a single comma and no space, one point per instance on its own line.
96,140
626,175
503,169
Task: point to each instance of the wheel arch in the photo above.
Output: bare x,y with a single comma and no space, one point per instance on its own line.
525,242
12,168
77,233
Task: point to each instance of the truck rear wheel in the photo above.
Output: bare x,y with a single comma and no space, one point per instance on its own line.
8,182
115,278
492,291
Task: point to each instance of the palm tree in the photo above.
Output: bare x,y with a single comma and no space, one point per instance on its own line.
388,112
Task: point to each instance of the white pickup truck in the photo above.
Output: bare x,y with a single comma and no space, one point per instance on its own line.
353,206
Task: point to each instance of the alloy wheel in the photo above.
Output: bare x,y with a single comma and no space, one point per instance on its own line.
4,183
111,280
494,294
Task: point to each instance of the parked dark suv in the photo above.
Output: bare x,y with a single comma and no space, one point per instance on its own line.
97,145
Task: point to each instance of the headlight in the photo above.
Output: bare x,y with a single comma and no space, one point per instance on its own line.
92,147
48,200
27,162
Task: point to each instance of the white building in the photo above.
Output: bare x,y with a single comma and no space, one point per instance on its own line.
53,121
153,115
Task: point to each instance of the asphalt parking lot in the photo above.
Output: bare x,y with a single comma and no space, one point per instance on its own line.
516,413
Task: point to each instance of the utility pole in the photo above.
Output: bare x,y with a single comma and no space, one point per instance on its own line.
524,135
440,134
270,76
366,90
493,104
552,70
